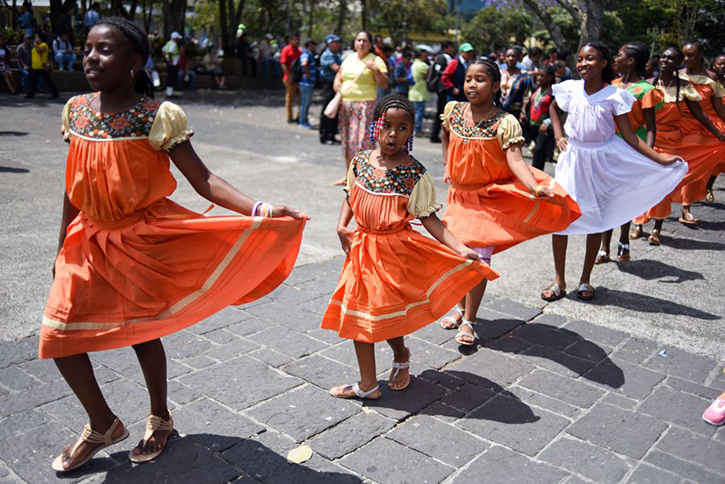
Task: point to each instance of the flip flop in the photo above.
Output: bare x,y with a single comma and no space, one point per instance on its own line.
636,232
355,388
602,257
585,287
91,436
557,292
623,252
688,219
397,367
153,423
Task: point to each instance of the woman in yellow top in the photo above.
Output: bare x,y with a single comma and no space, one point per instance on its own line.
358,79
39,59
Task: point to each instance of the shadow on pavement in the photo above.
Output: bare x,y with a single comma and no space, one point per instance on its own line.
648,304
654,270
14,133
693,244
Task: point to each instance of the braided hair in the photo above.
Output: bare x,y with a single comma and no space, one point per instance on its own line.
640,53
138,43
493,72
608,71
677,77
392,101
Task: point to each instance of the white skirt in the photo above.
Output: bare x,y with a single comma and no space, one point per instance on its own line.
612,183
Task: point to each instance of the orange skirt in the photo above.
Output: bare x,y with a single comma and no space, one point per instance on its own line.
395,283
159,272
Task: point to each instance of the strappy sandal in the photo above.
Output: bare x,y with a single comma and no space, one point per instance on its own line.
637,232
602,257
397,367
623,252
92,437
556,292
710,197
459,337
585,287
153,423
337,391
449,322
688,219
654,237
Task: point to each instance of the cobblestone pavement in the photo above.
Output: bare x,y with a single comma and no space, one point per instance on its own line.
548,396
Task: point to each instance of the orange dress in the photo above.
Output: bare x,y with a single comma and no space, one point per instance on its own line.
711,92
136,266
648,97
487,205
395,280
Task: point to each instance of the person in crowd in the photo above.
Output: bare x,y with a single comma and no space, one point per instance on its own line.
65,56
381,295
152,73
403,79
532,60
25,62
187,76
358,79
448,50
267,49
718,68
213,66
418,93
172,57
92,17
454,75
5,72
290,53
308,81
40,67
65,25
539,119
388,58
27,21
611,178
379,44
515,83
152,266
245,52
561,71
652,68
330,62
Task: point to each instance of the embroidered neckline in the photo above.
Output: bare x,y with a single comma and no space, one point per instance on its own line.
484,129
133,123
399,180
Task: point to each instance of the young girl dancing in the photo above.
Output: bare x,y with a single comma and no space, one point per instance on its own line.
611,179
631,62
395,280
495,200
132,265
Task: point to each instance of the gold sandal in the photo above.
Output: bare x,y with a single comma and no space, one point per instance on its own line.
92,437
153,423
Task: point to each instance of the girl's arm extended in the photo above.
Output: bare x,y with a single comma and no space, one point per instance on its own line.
700,115
343,232
445,139
555,115
651,125
214,188
636,142
518,166
436,228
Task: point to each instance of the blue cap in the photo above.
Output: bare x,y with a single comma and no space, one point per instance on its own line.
332,38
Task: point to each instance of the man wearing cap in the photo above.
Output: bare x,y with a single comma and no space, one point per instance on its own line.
172,56
308,81
25,63
330,62
454,74
448,50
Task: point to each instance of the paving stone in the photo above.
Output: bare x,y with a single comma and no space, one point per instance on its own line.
399,405
174,369
240,383
596,334
16,379
304,412
678,408
323,372
316,306
576,480
181,394
384,460
261,456
542,401
324,335
3,392
619,401
250,326
7,476
121,360
499,370
199,362
645,474
345,354
439,440
551,319
556,361
433,356
351,434
512,308
433,333
17,352
442,412
588,350
636,350
289,342
694,448
700,390
502,466
592,462
441,378
682,468
184,344
222,319
294,295
220,336
493,324
328,270
502,420
33,398
317,470
561,388
682,364
271,357
544,335
630,380
281,313
213,426
509,344
238,347
19,423
468,397
628,433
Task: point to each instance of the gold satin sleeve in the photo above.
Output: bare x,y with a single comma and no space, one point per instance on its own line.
509,132
446,116
422,200
169,127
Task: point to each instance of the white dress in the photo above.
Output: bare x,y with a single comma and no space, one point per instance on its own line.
610,180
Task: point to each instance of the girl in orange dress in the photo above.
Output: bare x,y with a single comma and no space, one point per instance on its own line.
395,280
718,68
132,265
685,136
495,200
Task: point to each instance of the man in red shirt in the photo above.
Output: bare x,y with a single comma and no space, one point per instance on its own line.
289,54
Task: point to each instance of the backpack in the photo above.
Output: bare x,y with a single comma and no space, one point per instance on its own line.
433,77
297,71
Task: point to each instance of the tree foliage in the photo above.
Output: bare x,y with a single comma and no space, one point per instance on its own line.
494,27
400,17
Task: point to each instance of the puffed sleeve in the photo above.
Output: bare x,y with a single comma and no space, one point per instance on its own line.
622,102
509,132
422,201
689,92
562,93
351,175
446,116
718,90
381,64
654,98
65,121
169,127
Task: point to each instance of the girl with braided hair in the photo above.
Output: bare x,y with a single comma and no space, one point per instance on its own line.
132,265
495,200
395,280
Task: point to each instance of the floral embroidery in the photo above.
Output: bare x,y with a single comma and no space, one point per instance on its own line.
486,129
131,124
399,180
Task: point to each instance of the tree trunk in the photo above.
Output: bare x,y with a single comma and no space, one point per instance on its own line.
364,13
591,24
541,11
223,24
341,16
132,10
311,19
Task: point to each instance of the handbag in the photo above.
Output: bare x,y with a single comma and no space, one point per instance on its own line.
334,105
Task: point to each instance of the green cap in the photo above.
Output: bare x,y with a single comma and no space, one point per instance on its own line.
465,47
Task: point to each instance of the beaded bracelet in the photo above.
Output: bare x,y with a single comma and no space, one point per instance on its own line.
263,209
255,207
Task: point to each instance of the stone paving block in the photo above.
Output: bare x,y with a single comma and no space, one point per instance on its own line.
688,387
317,470
345,354
630,380
511,422
19,423
271,357
645,474
442,412
399,405
184,344
596,334
556,361
384,460
250,326
468,397
323,372
425,353
551,319
324,335
309,272
220,336
351,434
33,398
636,350
437,439
282,313
442,378
316,306
289,342
16,379
181,394
588,350
493,324
238,347
542,401
513,308
502,466
17,352
685,365
682,468
544,335
490,369
619,401
628,433
240,383
592,462
694,448
121,360
222,319
261,456
678,408
304,412
294,295
7,476
508,344
212,425
4,392
561,388
433,333
199,362
174,369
